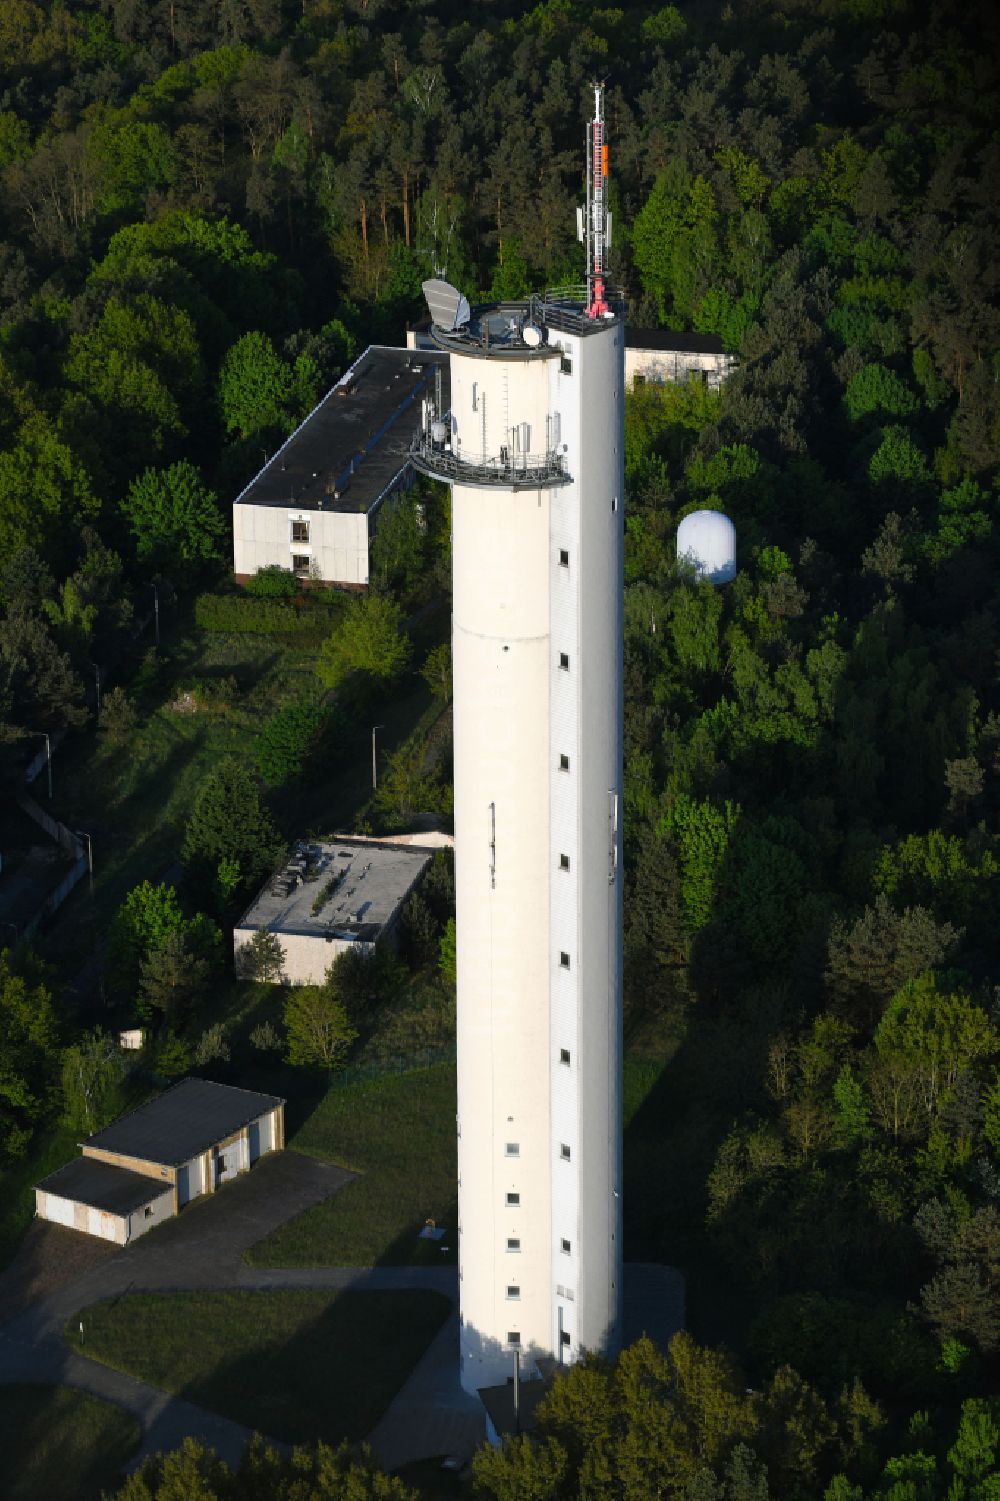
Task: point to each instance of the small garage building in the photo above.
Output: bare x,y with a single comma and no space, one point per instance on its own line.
146,1166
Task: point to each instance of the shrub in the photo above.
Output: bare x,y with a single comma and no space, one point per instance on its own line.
273,582
261,617
287,737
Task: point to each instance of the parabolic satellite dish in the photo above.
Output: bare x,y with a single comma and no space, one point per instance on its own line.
448,307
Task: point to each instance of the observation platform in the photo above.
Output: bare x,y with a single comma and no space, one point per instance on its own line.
518,472
521,329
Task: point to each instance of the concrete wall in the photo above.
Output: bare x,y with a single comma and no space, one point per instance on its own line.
337,546
308,956
106,1226
659,365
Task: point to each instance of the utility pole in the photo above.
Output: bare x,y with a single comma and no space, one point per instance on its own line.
90,856
374,767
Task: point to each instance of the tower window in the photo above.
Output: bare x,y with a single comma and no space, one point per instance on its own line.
513,1291
565,1247
513,1244
564,763
300,565
566,365
300,531
513,1149
564,862
564,1055
614,503
513,1338
564,1152
564,661
563,558
513,1200
564,1337
563,960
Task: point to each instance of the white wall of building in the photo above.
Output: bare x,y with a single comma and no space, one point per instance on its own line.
517,609
658,365
119,1228
308,956
337,545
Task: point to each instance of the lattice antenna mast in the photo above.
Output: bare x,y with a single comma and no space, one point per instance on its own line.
594,223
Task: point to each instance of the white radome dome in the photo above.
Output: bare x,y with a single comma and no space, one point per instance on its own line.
707,539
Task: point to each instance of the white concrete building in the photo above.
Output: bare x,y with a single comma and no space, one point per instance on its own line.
532,446
314,507
332,897
146,1166
655,355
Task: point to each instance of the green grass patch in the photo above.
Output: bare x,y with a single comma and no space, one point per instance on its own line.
398,1132
297,1366
59,1444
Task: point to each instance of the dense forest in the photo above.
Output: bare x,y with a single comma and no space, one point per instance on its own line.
209,205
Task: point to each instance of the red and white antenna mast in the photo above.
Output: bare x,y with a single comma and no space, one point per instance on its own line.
595,229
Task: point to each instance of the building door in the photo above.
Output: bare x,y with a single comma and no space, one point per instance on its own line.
254,1140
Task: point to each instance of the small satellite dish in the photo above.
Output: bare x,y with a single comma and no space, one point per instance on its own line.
448,307
439,431
532,335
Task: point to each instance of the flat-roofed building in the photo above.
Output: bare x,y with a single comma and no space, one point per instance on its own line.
147,1165
314,507
656,355
331,897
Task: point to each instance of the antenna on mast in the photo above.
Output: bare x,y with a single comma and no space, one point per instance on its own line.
594,223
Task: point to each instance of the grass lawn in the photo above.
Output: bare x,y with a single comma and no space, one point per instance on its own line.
297,1366
59,1444
399,1133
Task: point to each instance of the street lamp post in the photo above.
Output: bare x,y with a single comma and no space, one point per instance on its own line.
90,856
156,612
48,761
374,767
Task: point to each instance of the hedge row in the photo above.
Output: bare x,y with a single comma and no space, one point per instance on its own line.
264,617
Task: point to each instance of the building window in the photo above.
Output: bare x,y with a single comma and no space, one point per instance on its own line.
564,763
513,1200
565,1247
148,1213
563,960
564,661
564,1055
513,1244
563,558
614,503
300,565
222,1164
564,1151
513,1149
513,1291
513,1338
300,531
564,862
566,365
564,1337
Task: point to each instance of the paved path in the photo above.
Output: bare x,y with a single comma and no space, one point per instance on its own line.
203,1249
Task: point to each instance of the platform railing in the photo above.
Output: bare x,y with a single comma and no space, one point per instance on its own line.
507,471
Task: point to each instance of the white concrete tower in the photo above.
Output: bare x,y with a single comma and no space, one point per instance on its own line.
532,447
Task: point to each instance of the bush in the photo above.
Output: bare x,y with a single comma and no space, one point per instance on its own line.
273,582
261,617
287,738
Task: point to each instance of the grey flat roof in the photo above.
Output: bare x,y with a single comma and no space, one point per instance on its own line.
670,339
183,1121
113,1189
372,880
366,420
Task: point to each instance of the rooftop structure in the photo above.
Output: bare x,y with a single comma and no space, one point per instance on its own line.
114,1190
331,897
313,507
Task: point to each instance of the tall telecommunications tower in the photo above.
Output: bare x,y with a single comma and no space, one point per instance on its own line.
532,447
